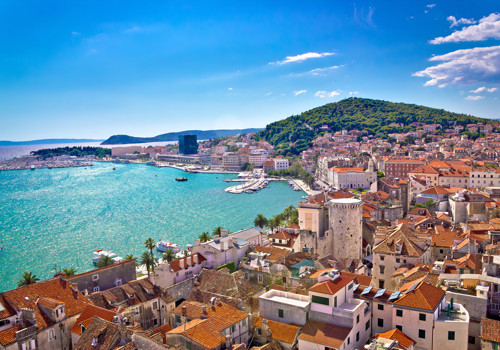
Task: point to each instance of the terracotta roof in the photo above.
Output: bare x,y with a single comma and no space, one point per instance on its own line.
326,334
107,333
280,235
274,253
424,169
88,313
401,338
424,296
188,261
331,287
436,190
207,332
345,170
279,331
53,289
445,238
358,278
7,310
399,235
221,283
8,336
490,330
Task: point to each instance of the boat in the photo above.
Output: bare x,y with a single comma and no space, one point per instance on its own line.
114,168
99,254
249,191
181,178
228,180
32,167
163,246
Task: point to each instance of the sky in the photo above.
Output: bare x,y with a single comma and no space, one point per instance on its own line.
91,69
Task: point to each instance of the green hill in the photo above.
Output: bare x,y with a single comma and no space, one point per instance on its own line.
174,136
372,117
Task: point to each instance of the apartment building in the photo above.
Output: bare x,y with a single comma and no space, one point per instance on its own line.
400,167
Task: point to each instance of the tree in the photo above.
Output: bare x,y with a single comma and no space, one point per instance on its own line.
27,278
150,244
260,221
69,272
204,237
129,257
380,175
149,261
169,255
105,261
429,204
217,231
289,211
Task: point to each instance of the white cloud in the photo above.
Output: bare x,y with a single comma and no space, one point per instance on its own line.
488,28
75,33
323,94
269,93
431,6
468,66
352,93
483,89
297,93
323,71
462,21
303,57
134,29
474,98
229,89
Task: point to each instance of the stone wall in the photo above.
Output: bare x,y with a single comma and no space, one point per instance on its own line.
181,290
346,228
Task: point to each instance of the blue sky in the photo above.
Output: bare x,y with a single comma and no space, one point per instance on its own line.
90,69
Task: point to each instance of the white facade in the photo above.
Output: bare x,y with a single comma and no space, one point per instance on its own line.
258,157
281,164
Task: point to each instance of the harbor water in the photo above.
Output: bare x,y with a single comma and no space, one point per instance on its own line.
56,218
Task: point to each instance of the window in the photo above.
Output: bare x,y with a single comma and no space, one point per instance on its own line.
421,333
177,319
260,278
382,258
349,287
244,322
348,340
335,302
155,322
51,334
357,319
451,335
95,277
382,268
380,322
118,282
380,307
472,340
4,322
397,260
399,313
155,305
421,317
280,313
381,284
320,300
367,325
188,345
399,327
357,336
96,289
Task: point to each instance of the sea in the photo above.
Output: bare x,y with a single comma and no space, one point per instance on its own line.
52,219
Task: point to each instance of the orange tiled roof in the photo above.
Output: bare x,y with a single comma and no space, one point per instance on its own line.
424,296
345,170
396,334
326,334
188,261
279,331
331,287
88,313
490,330
399,235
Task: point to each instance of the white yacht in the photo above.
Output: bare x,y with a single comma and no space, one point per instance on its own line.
99,253
163,246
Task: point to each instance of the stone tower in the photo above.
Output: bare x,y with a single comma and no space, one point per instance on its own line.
346,230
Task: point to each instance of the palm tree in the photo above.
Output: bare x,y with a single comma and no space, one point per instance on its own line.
204,237
150,244
129,257
105,261
289,212
148,259
260,221
217,231
272,223
169,255
27,278
69,272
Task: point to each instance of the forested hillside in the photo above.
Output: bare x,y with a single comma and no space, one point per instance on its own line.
373,117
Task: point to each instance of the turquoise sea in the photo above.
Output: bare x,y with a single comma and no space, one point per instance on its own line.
60,216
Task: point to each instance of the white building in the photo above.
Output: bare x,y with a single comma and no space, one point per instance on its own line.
258,157
170,273
281,164
351,178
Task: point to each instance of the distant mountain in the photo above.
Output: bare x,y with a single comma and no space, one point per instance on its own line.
45,142
174,136
372,117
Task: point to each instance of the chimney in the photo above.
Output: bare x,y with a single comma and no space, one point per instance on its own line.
229,339
196,242
222,246
184,310
181,263
195,258
235,240
204,308
216,237
224,232
229,243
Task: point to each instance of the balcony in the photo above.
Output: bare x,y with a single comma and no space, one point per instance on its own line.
457,314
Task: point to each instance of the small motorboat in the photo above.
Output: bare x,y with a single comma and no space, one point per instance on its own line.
99,254
181,178
228,180
163,246
32,167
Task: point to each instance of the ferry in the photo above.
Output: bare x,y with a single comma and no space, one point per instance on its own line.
181,179
163,246
99,253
